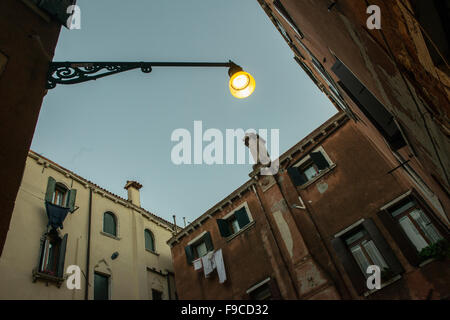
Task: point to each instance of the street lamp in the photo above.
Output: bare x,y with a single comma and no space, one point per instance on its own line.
241,84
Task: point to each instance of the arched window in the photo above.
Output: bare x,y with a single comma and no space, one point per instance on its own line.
149,240
110,223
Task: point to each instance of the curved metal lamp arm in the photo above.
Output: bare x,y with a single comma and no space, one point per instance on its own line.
77,72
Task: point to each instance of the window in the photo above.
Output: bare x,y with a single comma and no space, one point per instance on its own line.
283,12
58,194
434,18
264,290
234,222
413,225
282,29
364,250
310,168
199,247
101,286
149,240
362,245
52,255
380,117
56,8
109,224
156,294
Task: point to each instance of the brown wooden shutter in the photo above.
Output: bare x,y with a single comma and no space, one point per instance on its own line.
351,267
383,246
405,245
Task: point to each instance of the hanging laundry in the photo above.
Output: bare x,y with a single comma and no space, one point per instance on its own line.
208,263
220,266
198,264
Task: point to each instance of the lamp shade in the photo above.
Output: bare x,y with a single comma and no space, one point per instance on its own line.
242,84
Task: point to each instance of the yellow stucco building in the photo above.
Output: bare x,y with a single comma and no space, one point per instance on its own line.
119,247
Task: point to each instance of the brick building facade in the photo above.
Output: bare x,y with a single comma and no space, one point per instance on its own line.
300,234
393,82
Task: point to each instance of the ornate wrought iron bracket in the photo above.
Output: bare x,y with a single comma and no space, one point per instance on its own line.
77,72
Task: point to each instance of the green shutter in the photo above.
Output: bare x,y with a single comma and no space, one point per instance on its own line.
297,177
62,256
319,160
189,254
208,242
242,217
224,228
50,189
72,197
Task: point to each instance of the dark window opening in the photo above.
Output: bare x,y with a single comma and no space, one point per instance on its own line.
101,286
199,248
149,240
362,246
52,255
157,295
414,227
109,224
233,224
309,170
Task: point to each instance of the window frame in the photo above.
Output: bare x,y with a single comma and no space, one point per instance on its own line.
105,275
231,216
191,254
406,246
357,277
282,12
116,225
305,162
152,236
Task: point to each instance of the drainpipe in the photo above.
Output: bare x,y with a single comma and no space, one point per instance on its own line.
276,242
168,285
86,289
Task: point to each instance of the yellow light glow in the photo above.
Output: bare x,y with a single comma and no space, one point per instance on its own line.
242,84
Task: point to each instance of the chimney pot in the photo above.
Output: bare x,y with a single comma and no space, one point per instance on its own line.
133,188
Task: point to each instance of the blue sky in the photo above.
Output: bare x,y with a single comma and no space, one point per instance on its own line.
119,128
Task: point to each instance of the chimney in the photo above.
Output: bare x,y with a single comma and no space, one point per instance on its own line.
258,149
133,188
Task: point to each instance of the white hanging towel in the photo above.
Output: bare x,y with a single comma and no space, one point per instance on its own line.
198,264
220,266
208,263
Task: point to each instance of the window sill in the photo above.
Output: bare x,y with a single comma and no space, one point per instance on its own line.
428,261
320,175
47,278
248,226
151,251
383,285
110,235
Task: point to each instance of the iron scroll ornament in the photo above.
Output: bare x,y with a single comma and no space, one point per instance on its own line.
73,72
77,72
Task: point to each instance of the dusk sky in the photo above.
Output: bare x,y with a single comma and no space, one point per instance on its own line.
119,128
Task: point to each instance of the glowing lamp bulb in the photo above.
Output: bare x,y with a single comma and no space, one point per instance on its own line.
242,84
